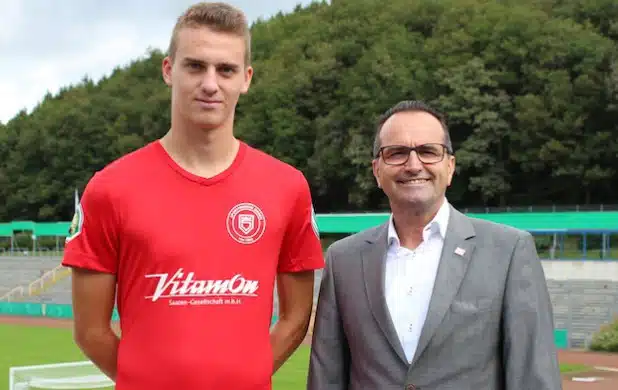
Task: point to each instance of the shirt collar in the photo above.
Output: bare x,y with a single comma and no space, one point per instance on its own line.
438,224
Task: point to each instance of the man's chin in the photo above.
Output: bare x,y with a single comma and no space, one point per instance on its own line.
414,196
413,203
207,123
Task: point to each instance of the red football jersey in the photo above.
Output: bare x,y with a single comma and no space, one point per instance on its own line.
196,261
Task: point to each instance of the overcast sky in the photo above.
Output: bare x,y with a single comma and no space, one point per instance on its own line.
47,44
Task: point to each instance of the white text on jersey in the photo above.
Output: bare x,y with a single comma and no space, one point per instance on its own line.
181,285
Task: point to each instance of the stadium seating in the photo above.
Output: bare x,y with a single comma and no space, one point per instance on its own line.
580,306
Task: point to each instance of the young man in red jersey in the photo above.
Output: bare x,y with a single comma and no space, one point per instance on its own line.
189,233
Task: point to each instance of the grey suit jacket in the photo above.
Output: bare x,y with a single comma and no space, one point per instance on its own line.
489,324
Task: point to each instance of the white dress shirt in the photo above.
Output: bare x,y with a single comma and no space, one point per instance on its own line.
410,277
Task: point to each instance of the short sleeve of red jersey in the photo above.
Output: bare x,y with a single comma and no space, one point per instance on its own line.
301,249
92,243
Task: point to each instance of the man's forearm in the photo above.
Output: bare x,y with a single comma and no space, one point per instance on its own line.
286,336
101,347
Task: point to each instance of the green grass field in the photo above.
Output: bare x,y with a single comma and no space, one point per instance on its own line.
24,345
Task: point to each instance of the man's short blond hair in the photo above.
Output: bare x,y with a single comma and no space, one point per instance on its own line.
218,16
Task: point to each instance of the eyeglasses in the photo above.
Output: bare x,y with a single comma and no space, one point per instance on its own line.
400,154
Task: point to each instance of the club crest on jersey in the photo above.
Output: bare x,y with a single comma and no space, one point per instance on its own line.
75,228
314,223
246,223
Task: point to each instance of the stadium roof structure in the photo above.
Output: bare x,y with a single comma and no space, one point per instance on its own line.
39,229
573,222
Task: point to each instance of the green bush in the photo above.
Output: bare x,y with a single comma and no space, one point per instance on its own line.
606,339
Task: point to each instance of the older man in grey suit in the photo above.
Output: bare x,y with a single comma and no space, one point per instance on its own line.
432,299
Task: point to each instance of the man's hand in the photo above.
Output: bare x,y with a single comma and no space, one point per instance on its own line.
295,292
93,303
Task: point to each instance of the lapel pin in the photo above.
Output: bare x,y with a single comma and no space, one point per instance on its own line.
460,251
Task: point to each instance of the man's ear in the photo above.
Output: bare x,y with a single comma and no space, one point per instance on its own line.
451,169
166,70
248,78
376,172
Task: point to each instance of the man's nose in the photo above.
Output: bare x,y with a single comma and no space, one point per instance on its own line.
413,163
209,81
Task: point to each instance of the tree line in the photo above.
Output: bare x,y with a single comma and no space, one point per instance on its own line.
530,88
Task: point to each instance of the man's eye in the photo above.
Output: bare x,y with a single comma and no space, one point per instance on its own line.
397,152
428,152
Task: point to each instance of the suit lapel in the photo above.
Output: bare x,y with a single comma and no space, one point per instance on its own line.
456,255
373,265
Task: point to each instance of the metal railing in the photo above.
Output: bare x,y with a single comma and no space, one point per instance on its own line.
540,208
37,286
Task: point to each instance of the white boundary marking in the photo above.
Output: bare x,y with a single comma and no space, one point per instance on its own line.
609,369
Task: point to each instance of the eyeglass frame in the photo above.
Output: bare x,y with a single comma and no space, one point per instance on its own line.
446,149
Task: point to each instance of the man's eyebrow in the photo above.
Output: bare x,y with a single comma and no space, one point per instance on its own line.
189,60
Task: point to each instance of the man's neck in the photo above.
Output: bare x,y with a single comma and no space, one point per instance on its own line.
410,222
204,153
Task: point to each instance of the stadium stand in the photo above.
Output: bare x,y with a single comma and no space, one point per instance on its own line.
582,307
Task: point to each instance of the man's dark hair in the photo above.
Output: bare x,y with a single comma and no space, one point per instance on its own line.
411,105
